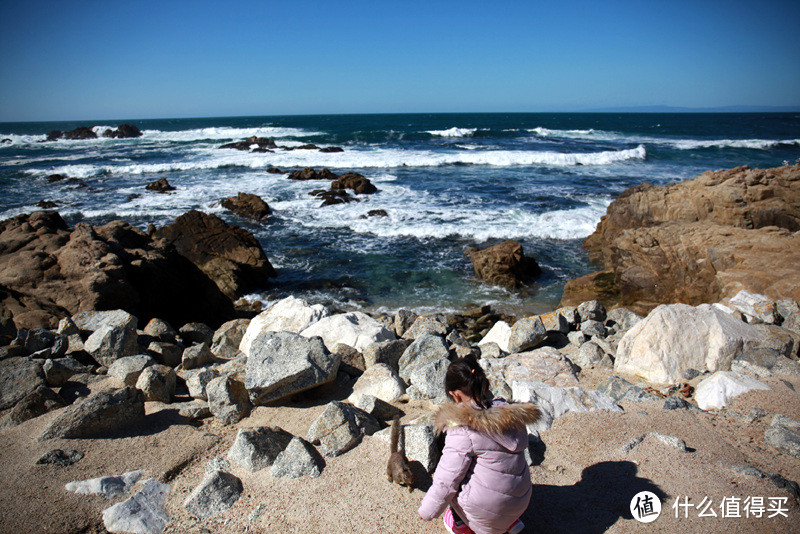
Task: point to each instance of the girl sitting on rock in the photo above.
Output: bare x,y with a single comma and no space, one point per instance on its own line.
482,476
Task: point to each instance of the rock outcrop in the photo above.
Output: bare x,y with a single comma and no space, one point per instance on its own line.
247,205
49,271
504,265
123,131
698,241
228,255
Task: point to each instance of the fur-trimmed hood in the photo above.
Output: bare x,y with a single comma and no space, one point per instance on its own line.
499,419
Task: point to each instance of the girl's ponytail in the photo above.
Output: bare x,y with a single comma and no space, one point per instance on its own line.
465,374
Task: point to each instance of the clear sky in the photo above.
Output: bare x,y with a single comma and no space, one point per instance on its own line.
140,59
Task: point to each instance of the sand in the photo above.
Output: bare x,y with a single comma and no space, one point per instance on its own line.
583,484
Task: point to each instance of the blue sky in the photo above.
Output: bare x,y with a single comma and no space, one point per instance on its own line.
138,59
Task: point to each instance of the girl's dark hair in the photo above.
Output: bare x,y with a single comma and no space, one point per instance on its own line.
466,375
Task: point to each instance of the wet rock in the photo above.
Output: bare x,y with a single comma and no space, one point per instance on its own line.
374,213
160,186
355,182
504,265
248,205
310,174
82,132
331,149
381,381
298,459
216,493
102,413
143,513
257,448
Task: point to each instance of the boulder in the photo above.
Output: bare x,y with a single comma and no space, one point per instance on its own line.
167,354
593,328
49,271
428,379
499,334
340,427
197,356
227,399
8,331
714,392
256,448
355,329
592,310
504,265
427,324
298,459
110,486
725,231
60,370
40,401
756,308
555,322
544,365
556,401
784,434
197,380
19,377
355,182
621,320
228,255
283,363
526,334
618,389
216,493
381,381
403,320
288,315
388,352
248,206
310,174
123,131
351,359
196,333
128,369
374,406
588,355
425,349
676,337
157,382
110,343
227,338
81,132
144,512
91,321
262,144
102,413
421,444
161,331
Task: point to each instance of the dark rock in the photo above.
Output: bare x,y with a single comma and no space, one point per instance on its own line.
61,458
54,134
216,493
310,174
160,186
59,370
81,132
298,459
161,331
38,402
301,147
46,204
330,149
19,377
196,333
690,373
619,389
275,170
247,205
256,448
124,131
8,331
331,198
676,403
355,182
55,178
504,265
374,213
228,255
168,354
100,414
263,144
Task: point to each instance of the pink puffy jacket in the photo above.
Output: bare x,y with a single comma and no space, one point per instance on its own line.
482,474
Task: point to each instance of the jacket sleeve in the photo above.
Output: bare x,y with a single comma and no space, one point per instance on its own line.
456,460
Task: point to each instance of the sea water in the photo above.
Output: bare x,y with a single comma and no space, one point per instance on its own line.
447,181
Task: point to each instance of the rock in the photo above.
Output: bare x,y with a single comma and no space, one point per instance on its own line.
197,381
526,334
340,427
726,231
351,359
592,310
676,403
388,352
82,132
193,410
588,355
555,322
355,329
577,338
427,324
374,213
226,340
257,448
110,486
248,206
374,406
746,368
691,373
500,334
621,320
331,149
227,399
49,271
102,413
60,370
786,307
167,354
784,434
196,333
124,131
757,308
19,377
283,363
91,321
556,401
714,392
425,349
288,315
228,255
298,459
544,365
60,458
403,320
157,382
128,369
108,344
670,441
54,134
355,182
8,331
379,381
216,493
310,174
504,265
593,328
677,337
143,513
161,331
40,401
160,186
421,443
428,378
783,341
263,144
197,356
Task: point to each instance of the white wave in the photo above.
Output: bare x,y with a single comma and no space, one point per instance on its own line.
454,132
370,158
758,144
226,133
547,132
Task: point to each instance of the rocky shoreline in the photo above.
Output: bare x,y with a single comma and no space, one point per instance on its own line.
257,420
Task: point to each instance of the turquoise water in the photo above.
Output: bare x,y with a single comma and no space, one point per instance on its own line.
448,182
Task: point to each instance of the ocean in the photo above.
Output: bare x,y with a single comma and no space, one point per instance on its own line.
447,181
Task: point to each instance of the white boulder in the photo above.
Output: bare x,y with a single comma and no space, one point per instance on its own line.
288,315
714,392
500,334
355,329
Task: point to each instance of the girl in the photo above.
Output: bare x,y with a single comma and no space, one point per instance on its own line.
482,475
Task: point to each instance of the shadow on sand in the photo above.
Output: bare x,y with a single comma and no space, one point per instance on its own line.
592,505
